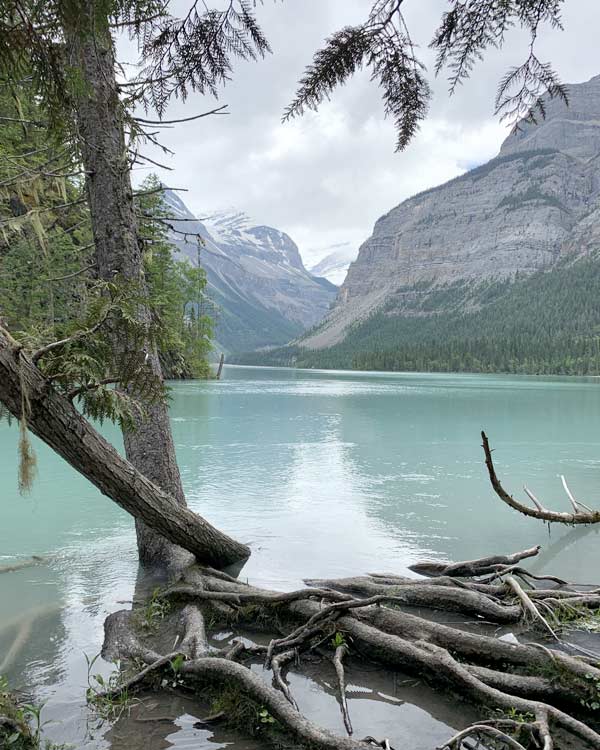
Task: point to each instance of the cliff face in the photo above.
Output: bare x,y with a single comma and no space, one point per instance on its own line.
262,293
535,203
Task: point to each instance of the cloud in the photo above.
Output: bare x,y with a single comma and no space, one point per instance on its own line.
327,177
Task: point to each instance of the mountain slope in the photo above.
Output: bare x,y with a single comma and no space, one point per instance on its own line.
544,323
535,204
263,294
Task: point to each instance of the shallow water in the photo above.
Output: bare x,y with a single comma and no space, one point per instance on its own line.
323,474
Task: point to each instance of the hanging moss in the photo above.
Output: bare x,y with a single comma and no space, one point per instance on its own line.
27,457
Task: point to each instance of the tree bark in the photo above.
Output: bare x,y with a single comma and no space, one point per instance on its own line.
100,122
54,419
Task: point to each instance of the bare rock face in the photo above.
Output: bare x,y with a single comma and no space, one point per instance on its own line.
536,202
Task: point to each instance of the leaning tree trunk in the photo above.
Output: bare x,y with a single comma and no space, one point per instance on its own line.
53,418
99,115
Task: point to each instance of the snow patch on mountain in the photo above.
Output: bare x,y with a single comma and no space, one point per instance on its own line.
334,265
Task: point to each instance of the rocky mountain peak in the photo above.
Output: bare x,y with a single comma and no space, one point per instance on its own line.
261,291
572,129
232,228
534,205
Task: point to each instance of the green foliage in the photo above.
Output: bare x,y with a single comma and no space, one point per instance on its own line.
250,717
593,702
471,27
149,617
177,663
265,717
519,716
533,193
177,292
25,732
107,707
195,53
578,617
383,44
546,323
51,300
48,289
339,639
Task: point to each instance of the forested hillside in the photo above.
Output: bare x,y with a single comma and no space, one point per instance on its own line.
500,326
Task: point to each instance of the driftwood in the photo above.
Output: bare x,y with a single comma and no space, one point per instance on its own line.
472,567
581,513
538,680
338,663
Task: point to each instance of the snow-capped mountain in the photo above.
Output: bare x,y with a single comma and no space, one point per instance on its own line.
334,265
256,277
232,228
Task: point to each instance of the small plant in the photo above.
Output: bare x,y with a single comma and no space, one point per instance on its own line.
175,665
265,717
579,618
519,716
103,694
241,711
593,702
154,612
339,639
26,725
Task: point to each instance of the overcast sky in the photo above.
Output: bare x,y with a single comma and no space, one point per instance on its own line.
326,178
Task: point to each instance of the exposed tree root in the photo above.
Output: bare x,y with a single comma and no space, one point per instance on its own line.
547,684
471,568
338,663
529,607
277,663
193,642
475,731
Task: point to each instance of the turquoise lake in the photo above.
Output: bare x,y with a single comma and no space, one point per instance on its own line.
323,474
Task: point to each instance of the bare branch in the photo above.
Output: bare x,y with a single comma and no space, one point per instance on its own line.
543,514
216,111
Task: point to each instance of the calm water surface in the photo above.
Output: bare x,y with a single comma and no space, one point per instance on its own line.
323,474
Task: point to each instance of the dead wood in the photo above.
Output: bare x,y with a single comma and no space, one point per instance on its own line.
451,599
472,568
338,663
538,511
193,642
475,731
277,664
503,676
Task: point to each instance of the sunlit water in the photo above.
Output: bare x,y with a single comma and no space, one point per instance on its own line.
323,474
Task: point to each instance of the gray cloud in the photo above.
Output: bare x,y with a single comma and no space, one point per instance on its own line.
327,177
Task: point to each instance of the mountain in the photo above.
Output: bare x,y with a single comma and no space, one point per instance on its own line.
334,265
488,271
256,279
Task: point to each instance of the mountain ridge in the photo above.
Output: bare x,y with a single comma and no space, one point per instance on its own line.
536,202
256,278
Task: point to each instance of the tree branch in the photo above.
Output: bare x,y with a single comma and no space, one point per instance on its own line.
538,512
